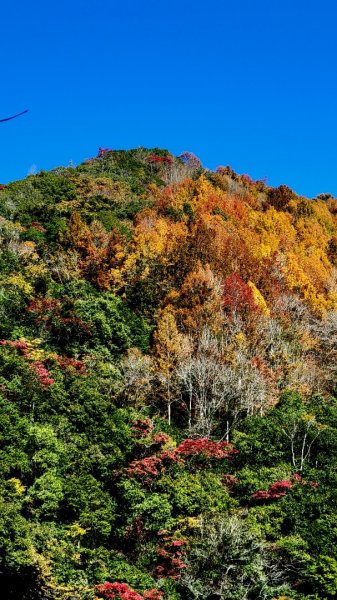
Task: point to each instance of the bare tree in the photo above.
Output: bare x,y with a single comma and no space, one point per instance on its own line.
302,431
215,388
228,560
137,370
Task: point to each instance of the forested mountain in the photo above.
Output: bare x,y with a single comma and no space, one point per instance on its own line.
168,419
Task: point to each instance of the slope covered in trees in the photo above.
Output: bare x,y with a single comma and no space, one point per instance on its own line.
168,421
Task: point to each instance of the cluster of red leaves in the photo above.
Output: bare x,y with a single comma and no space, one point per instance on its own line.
49,310
73,320
154,158
121,591
23,346
135,530
145,467
247,180
171,456
38,226
102,151
42,373
160,438
71,364
64,362
237,296
266,371
153,594
44,308
170,554
297,478
142,427
227,170
152,466
259,185
274,492
37,366
205,447
229,480
280,488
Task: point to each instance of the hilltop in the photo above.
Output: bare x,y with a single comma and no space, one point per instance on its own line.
167,384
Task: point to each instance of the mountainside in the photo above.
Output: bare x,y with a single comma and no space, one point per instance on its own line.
168,420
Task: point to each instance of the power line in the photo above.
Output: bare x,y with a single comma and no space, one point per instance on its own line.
14,116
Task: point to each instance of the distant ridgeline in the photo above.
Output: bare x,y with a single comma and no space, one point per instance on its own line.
168,369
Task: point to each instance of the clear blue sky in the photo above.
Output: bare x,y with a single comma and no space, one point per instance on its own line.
252,84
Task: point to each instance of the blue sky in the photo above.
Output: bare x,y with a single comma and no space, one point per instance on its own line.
252,84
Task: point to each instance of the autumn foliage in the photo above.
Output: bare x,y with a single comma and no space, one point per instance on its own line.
170,553
205,447
121,591
168,352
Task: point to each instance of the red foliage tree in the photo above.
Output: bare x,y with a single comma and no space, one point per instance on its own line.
238,296
50,311
152,466
279,488
205,447
160,438
170,554
42,373
142,427
275,491
70,364
102,151
19,344
121,591
145,467
44,309
153,594
37,366
155,159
